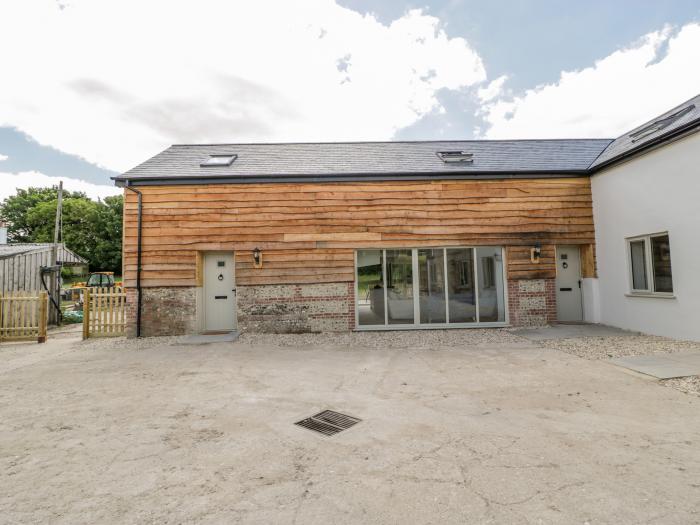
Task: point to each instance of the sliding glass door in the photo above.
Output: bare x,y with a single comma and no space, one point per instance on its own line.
490,283
370,287
430,286
461,286
399,287
432,303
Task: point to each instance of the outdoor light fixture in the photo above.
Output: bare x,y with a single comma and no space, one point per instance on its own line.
257,258
535,253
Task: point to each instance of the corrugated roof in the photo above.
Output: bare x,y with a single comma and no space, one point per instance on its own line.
64,254
390,159
638,138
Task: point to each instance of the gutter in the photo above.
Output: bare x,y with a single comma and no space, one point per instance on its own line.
138,259
345,177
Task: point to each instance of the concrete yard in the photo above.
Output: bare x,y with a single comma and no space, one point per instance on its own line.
665,366
469,427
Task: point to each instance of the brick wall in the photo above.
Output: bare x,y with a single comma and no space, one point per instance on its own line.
165,311
532,302
296,308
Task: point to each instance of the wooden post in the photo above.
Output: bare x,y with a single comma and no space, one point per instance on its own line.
54,286
43,317
587,261
86,313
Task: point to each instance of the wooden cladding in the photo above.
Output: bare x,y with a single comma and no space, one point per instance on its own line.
308,232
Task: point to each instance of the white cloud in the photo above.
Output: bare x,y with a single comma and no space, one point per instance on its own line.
619,92
492,89
10,182
114,82
3,157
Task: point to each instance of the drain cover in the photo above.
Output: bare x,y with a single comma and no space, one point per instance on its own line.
328,422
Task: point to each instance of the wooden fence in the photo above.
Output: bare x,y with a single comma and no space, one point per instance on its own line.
104,312
23,316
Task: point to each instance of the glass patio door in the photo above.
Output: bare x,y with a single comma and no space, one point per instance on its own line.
430,286
432,303
399,287
461,285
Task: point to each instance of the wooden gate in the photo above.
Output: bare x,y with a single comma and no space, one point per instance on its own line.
23,316
104,312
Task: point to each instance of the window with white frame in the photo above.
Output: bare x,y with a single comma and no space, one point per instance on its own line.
650,264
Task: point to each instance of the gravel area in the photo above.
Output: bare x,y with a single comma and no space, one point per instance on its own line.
595,348
610,347
388,339
122,343
689,385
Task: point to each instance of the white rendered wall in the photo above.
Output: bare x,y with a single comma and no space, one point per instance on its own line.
656,192
591,300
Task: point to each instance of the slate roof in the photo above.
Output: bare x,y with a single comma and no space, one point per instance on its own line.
637,139
357,159
339,161
64,254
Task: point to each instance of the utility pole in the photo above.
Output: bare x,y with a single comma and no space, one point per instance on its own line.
54,287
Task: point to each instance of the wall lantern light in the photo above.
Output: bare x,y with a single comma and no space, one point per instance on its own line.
535,253
257,258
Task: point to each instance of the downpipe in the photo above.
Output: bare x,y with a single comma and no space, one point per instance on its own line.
138,258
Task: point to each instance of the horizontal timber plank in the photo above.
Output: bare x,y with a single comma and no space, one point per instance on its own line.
418,200
334,186
308,232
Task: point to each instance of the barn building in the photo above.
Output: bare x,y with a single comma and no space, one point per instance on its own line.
384,235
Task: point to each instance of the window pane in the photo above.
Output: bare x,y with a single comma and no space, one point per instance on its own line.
661,256
490,272
639,266
431,294
399,286
370,288
460,285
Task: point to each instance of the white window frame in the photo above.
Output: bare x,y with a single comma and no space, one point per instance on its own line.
649,267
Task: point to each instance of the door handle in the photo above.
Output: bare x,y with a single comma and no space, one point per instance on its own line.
221,297
564,289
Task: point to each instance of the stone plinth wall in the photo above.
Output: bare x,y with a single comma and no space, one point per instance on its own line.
296,308
165,311
532,302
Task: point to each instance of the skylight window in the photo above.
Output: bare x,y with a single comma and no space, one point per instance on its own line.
660,124
450,157
219,160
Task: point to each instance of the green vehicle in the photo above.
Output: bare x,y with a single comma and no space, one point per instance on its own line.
100,280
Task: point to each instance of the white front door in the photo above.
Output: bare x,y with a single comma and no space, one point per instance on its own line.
219,292
569,306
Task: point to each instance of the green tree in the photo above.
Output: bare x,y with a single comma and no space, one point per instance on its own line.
92,229
79,219
15,209
108,234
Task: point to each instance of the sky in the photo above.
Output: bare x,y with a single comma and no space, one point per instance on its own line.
91,88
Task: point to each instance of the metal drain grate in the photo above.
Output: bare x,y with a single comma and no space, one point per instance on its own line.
328,422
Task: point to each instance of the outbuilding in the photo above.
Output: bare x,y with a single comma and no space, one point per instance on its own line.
21,265
28,267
